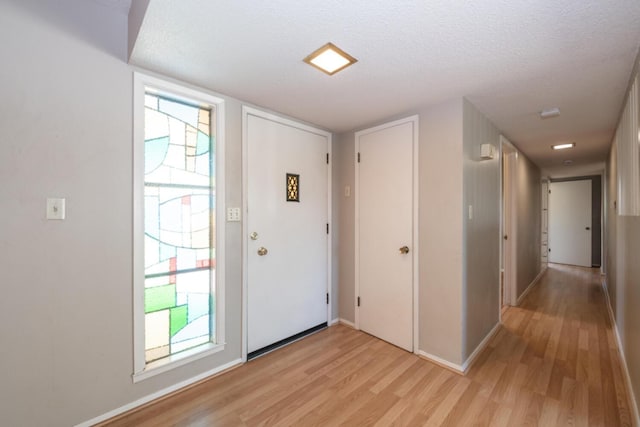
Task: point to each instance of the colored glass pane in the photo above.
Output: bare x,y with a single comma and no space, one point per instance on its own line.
178,319
179,230
159,298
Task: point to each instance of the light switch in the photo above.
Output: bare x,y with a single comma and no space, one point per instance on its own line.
233,214
55,208
347,191
470,211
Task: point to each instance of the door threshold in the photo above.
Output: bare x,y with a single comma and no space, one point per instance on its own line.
293,338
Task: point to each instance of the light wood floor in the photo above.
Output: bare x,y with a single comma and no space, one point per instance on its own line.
553,363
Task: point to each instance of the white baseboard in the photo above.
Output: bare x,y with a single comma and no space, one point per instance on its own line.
472,358
442,362
531,286
625,369
158,394
347,323
333,322
461,369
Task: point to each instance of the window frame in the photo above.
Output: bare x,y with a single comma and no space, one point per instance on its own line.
141,83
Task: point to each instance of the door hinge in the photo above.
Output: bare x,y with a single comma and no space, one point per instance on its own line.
358,157
327,298
327,158
327,228
358,301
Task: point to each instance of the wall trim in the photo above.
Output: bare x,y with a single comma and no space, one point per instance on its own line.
347,323
483,344
161,393
464,368
531,286
455,368
635,414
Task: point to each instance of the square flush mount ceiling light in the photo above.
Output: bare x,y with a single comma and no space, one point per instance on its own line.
330,59
563,146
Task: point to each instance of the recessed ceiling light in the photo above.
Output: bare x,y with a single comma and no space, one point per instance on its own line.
549,112
563,146
330,59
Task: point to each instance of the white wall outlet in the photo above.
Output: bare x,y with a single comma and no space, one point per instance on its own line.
470,211
233,214
55,208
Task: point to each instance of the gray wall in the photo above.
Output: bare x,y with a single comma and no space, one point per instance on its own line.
481,234
441,236
459,259
622,270
611,229
529,202
66,131
344,169
631,332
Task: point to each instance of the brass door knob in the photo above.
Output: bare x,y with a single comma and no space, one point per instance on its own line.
262,251
404,250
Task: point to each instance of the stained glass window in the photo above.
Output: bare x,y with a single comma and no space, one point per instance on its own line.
179,226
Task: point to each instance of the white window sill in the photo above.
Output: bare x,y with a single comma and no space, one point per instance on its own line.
171,362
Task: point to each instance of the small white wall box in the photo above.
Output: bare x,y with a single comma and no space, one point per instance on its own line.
487,151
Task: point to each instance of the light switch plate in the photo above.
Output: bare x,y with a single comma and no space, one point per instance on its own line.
55,208
233,214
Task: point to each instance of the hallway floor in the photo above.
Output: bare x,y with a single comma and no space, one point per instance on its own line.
554,362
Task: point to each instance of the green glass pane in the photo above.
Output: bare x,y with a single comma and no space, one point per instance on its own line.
178,319
159,298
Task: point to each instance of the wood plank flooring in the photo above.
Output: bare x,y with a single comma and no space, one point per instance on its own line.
554,362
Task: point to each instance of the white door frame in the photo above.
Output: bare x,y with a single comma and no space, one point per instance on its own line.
415,120
246,112
509,286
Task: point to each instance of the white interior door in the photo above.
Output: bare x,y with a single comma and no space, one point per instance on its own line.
385,234
287,241
570,222
509,236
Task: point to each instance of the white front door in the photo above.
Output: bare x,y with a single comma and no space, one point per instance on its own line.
287,240
570,222
385,244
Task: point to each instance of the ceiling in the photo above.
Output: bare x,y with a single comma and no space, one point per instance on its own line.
510,58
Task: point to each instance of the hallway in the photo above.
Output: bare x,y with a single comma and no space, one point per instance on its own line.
554,362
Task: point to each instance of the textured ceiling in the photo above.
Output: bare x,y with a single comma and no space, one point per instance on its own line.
510,58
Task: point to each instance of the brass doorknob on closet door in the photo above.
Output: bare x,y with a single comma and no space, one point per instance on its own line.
404,250
262,251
